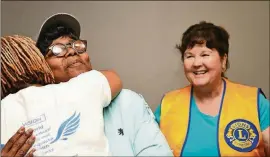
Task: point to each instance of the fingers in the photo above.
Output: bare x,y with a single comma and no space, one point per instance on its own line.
12,140
27,145
31,153
20,142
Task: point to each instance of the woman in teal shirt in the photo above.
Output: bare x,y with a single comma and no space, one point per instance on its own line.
204,52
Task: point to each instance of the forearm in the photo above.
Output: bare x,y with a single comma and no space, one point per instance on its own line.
114,82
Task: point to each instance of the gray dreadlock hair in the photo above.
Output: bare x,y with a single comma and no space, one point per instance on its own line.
22,65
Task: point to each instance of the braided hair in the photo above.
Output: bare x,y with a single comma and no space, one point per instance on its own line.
22,65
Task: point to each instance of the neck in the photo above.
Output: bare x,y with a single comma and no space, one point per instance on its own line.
210,91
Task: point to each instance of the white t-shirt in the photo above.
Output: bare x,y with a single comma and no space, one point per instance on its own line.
67,118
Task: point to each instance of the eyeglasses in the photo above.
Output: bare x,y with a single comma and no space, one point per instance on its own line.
61,49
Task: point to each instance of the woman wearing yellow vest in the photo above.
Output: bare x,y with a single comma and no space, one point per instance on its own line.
213,116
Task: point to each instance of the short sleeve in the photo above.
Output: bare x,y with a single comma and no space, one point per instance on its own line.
264,112
157,114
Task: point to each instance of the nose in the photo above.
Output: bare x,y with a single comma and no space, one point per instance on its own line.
71,52
197,61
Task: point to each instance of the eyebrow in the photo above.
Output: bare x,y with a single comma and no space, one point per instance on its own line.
187,52
207,51
69,41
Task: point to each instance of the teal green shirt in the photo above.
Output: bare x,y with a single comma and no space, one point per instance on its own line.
131,128
200,140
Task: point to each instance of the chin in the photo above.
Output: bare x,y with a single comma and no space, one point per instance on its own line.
199,82
73,72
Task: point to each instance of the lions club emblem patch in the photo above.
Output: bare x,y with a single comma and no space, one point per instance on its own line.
241,135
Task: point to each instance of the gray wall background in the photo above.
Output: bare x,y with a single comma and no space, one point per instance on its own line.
138,39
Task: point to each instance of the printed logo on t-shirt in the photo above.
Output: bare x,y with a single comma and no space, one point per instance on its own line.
68,127
44,135
121,131
241,135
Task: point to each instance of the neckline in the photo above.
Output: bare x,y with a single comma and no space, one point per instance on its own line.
221,102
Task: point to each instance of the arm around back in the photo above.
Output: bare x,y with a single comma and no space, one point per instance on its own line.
114,82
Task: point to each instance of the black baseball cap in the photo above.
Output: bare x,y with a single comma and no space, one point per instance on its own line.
64,19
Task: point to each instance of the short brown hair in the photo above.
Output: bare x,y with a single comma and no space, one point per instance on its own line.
204,32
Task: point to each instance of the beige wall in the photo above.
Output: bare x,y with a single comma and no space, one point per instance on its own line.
137,38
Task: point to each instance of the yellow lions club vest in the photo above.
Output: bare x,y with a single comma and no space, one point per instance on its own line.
239,131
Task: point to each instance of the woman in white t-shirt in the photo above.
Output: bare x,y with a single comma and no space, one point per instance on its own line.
65,119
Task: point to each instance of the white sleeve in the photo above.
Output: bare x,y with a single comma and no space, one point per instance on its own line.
92,84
